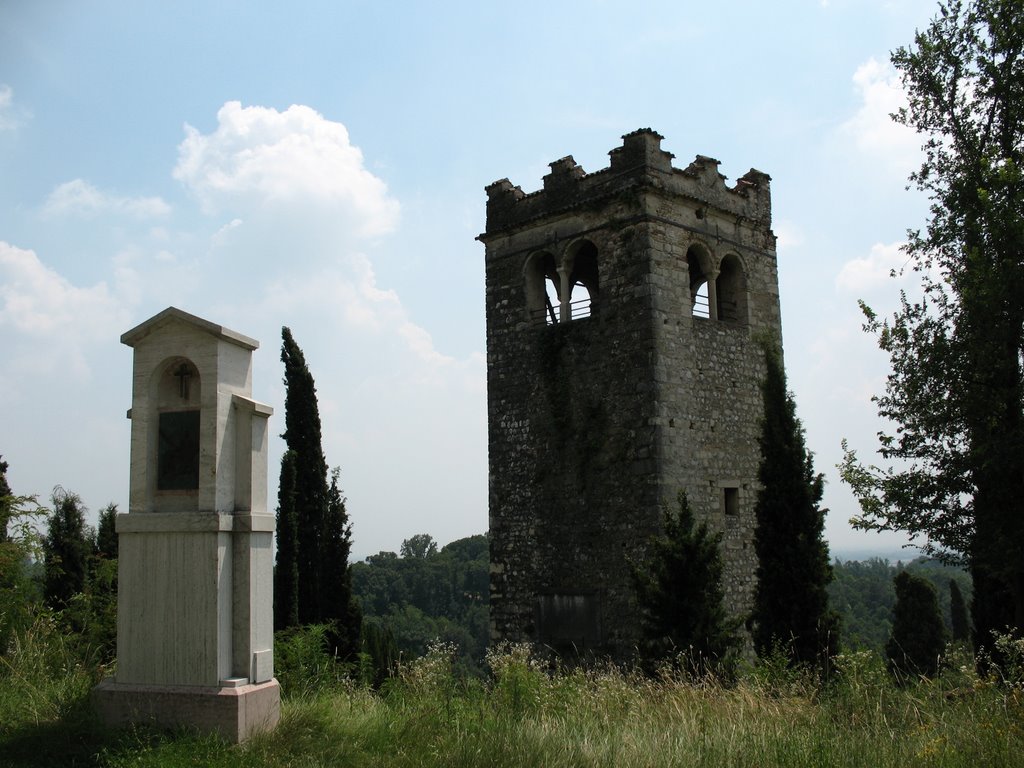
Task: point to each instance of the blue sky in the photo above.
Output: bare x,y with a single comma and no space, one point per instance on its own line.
322,165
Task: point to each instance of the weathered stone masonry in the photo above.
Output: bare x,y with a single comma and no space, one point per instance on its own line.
624,312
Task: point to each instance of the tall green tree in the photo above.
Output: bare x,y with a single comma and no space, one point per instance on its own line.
340,607
679,592
67,549
5,500
918,634
106,533
791,610
420,546
959,624
323,536
954,464
286,567
303,436
20,546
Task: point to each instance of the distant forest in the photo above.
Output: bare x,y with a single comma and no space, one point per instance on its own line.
425,592
862,593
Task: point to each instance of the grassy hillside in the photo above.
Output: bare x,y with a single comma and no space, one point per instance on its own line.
525,716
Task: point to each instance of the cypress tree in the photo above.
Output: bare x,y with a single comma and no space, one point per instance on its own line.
340,607
106,533
791,602
5,500
322,534
66,549
918,635
303,437
679,592
958,614
286,568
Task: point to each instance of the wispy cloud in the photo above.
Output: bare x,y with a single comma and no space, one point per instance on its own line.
872,130
49,324
80,198
36,300
10,115
866,273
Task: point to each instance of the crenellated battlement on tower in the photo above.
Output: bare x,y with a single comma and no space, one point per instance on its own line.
639,164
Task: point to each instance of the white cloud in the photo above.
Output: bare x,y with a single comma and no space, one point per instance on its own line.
872,129
869,272
789,234
260,158
10,116
347,299
50,324
346,293
80,198
222,236
421,344
36,300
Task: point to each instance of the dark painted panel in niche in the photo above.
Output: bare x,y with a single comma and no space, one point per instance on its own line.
178,451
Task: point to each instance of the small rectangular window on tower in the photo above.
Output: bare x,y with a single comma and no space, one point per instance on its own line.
731,501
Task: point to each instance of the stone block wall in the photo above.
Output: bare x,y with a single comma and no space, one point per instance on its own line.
597,422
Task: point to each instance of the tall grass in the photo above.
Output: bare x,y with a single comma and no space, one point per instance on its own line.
527,714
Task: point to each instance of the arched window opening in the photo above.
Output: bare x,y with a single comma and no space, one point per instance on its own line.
583,280
543,294
731,291
699,300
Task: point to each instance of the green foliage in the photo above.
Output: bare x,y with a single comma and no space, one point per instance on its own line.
530,715
918,636
1007,666
862,594
43,677
429,594
341,610
960,628
422,545
791,600
90,616
953,466
5,500
66,549
379,655
679,592
19,548
520,681
303,436
93,612
303,664
106,533
323,535
286,568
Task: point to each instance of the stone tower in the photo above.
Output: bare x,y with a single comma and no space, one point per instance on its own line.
626,311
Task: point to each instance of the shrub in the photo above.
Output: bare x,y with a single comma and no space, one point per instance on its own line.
302,664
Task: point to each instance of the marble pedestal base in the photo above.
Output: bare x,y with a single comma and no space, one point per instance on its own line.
234,712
